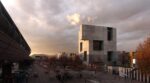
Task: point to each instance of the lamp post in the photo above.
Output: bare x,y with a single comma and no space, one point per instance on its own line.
134,62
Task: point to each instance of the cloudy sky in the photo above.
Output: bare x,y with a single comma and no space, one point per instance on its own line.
46,25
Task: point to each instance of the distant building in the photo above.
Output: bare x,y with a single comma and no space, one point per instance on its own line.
123,59
40,57
62,54
126,59
65,54
97,44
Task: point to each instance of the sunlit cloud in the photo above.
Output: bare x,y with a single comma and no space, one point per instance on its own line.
74,19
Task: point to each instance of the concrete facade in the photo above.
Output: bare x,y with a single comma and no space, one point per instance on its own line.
95,46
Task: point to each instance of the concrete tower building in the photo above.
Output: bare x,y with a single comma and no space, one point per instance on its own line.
97,44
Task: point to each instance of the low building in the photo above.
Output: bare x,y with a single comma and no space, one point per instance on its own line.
40,57
123,59
126,59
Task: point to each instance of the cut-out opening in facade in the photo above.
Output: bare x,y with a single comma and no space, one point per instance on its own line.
85,55
81,46
109,56
98,45
109,33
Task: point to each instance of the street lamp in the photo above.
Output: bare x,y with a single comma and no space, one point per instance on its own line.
134,62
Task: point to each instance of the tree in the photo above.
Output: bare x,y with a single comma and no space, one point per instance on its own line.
64,61
143,56
52,61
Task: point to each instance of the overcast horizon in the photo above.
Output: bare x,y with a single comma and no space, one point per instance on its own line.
51,26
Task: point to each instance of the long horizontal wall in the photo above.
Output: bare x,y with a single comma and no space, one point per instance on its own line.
129,73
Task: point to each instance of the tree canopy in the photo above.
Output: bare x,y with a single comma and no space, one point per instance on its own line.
143,56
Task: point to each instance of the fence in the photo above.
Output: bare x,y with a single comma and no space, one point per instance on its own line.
130,73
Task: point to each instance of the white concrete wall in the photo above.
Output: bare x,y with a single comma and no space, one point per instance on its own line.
88,33
137,75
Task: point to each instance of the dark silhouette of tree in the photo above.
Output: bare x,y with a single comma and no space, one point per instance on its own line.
64,60
73,62
53,61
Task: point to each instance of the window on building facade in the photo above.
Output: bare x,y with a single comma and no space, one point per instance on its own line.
109,56
109,34
81,46
98,45
85,56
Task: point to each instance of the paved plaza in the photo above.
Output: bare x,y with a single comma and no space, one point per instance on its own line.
89,77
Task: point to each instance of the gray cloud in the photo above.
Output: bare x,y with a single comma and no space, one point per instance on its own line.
45,27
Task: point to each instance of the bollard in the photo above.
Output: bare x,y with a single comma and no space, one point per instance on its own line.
142,77
148,79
